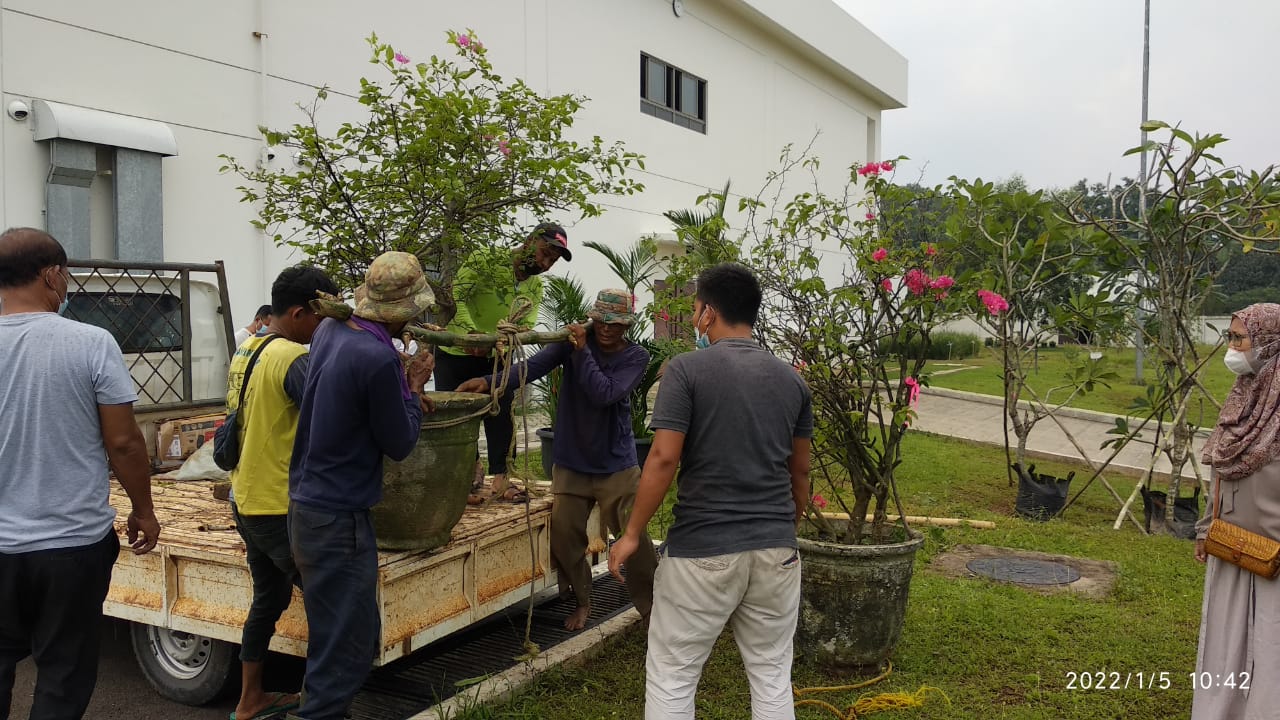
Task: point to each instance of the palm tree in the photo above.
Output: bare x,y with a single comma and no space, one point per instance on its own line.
702,232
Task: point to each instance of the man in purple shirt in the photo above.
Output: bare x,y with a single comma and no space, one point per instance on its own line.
358,405
595,449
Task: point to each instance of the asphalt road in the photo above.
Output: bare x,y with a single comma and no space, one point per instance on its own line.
124,694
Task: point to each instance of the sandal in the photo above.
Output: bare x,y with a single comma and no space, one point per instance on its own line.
281,703
514,494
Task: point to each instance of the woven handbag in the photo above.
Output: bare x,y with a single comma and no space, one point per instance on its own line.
1256,553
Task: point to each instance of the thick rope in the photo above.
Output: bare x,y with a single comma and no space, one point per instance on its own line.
867,704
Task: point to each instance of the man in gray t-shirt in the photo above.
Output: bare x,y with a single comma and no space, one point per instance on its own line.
739,422
66,414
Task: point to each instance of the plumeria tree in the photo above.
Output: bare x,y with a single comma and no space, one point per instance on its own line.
1194,209
854,309
1012,241
448,157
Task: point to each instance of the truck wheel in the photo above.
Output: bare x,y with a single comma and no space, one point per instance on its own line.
185,668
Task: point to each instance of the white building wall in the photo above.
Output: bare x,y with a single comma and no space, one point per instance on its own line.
198,66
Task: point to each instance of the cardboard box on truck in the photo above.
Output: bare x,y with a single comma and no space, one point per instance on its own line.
177,439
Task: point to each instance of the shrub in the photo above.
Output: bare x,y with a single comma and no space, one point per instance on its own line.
944,345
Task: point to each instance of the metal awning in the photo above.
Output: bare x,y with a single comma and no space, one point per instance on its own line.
55,121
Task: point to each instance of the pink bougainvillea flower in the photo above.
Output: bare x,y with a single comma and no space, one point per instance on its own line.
463,40
886,285
942,282
503,147
871,168
930,250
886,166
913,391
401,58
917,281
819,502
664,316
993,301
880,254
871,216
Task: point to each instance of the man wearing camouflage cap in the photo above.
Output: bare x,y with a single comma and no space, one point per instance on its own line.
361,402
595,449
485,289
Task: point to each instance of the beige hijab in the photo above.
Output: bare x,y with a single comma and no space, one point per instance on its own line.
1248,433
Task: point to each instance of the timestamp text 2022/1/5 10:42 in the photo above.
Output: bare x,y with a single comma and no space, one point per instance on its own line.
1161,680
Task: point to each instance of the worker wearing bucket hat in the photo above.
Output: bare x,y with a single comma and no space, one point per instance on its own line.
361,402
595,449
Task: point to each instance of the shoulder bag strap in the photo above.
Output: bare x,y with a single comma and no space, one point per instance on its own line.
248,372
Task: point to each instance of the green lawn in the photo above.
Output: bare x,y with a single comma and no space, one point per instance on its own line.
996,651
983,376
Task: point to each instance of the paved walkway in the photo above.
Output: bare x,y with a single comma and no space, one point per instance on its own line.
980,418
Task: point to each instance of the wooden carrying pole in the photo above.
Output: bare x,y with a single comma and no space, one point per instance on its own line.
330,307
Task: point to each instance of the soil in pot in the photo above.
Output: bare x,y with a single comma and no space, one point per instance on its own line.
424,495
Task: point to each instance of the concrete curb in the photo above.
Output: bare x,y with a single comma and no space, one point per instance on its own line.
503,686
1089,415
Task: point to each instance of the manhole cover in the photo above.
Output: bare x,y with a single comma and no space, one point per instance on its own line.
1023,571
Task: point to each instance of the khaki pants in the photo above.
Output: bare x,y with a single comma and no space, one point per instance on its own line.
575,495
757,593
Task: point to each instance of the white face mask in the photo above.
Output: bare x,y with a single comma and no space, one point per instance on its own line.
1240,363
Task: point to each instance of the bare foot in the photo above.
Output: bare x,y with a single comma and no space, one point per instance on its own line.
577,619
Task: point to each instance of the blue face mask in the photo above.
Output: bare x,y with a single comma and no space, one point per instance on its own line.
700,339
62,306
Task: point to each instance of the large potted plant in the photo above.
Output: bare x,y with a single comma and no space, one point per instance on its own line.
445,158
852,302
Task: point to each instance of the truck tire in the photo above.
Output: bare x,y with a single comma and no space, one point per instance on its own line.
189,669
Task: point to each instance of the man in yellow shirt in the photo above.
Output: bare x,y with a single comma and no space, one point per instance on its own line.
260,482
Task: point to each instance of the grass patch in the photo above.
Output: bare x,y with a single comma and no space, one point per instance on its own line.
984,377
997,651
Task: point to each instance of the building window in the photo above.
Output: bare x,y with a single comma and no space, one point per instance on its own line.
671,94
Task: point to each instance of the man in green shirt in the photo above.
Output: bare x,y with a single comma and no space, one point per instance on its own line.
485,290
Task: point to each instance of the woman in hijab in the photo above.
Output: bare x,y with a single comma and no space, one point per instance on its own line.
1238,662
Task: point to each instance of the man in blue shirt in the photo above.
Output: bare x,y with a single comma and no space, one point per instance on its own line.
357,407
595,449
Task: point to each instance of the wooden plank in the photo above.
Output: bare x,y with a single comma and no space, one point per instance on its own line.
191,518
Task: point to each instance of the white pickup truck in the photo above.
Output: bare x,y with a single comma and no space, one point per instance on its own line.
188,599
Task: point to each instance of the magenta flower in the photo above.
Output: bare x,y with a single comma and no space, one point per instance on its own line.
942,282
664,316
917,281
503,147
880,254
463,40
819,502
995,304
886,285
886,166
913,391
402,58
871,216
930,250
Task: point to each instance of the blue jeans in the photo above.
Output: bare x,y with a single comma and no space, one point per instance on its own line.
266,544
337,557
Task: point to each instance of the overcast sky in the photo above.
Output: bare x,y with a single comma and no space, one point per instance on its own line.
1051,89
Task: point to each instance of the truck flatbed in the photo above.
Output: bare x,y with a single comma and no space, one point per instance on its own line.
196,580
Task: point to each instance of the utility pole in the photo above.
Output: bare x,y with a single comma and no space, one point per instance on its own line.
1139,341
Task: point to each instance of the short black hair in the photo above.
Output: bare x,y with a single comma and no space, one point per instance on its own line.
732,290
264,312
24,252
297,285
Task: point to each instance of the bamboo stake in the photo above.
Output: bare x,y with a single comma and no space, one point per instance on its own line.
923,520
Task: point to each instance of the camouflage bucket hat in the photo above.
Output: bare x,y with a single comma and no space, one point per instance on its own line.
394,290
613,306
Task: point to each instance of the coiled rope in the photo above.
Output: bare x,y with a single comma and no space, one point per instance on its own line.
867,704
